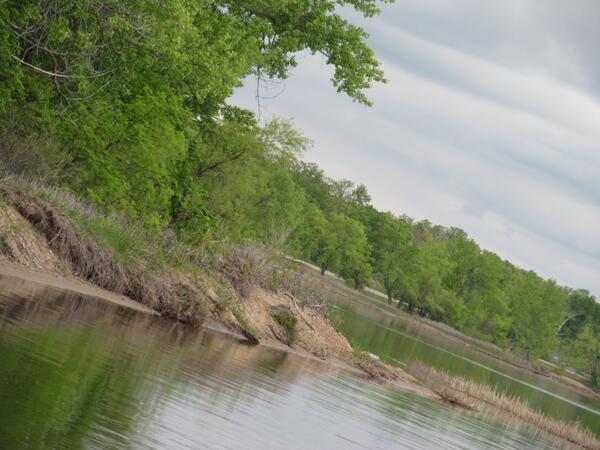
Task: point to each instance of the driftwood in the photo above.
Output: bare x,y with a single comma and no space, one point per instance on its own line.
299,310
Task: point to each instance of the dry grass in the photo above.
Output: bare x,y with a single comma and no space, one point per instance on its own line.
90,258
245,266
86,259
468,393
249,265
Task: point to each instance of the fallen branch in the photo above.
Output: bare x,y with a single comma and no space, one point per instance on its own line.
299,310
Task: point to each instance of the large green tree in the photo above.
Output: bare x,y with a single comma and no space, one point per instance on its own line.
394,254
122,91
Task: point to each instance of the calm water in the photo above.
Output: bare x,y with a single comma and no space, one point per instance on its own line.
80,373
400,341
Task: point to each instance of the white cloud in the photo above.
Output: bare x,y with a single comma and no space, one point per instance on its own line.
509,151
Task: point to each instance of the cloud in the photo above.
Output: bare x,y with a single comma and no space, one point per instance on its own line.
470,132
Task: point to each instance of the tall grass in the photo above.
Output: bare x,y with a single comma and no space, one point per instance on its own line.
462,391
110,251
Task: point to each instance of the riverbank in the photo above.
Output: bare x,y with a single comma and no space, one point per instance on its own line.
236,292
374,299
477,396
41,244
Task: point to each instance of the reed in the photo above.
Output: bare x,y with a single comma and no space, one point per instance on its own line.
468,393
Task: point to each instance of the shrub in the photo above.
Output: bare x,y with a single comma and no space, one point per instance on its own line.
288,321
245,265
248,330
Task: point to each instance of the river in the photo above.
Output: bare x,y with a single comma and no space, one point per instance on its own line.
77,372
399,341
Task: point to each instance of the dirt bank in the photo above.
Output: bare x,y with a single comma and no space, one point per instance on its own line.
70,284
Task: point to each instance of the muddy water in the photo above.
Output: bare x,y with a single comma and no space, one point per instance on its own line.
76,372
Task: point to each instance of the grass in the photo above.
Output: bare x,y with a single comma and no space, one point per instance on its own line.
288,321
470,394
111,252
248,330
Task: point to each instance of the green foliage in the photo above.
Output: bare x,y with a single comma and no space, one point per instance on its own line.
249,330
584,353
129,96
394,254
288,321
580,334
537,308
337,243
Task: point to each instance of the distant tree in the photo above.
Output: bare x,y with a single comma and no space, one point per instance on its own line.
584,353
394,254
353,248
336,243
537,308
427,291
582,308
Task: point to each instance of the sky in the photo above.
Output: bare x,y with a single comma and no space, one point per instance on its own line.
490,121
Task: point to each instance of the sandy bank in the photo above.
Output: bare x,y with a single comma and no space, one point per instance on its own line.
70,284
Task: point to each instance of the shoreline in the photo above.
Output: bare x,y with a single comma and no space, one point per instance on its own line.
71,284
30,252
435,385
44,279
365,298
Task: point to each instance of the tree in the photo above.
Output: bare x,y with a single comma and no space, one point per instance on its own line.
336,243
486,300
353,248
253,196
537,308
125,92
282,28
431,268
394,253
584,353
582,309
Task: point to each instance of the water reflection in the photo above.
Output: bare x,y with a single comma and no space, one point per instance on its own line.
80,373
401,341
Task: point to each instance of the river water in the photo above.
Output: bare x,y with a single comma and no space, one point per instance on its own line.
401,341
76,372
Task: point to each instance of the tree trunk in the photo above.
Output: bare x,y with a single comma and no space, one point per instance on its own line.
389,296
323,270
388,291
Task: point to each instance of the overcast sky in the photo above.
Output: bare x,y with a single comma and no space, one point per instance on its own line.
490,122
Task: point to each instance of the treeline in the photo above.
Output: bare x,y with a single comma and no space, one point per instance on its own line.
125,103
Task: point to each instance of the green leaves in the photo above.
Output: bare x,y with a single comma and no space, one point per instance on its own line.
130,91
394,254
284,27
584,353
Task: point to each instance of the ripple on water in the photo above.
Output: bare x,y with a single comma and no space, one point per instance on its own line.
77,373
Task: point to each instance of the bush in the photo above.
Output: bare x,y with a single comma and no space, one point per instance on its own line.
248,330
245,266
288,321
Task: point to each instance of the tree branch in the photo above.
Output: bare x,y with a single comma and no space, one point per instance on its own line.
60,75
